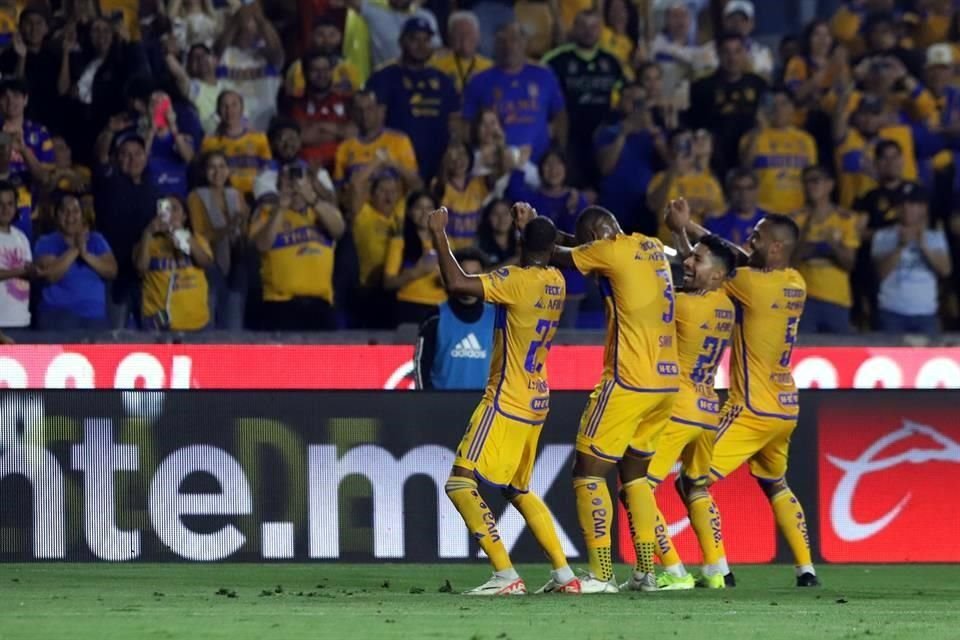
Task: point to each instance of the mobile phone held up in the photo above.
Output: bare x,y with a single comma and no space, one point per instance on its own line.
161,113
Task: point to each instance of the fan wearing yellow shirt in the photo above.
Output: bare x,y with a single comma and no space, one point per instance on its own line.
411,264
171,262
327,39
620,31
247,151
461,61
683,179
778,152
296,235
500,445
462,194
829,239
632,404
761,411
704,316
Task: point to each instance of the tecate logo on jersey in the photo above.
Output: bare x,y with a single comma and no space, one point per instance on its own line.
883,482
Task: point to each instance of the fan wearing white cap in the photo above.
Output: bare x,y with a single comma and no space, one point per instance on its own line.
938,74
738,17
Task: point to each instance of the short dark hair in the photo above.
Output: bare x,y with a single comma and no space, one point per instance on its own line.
883,145
472,253
727,36
819,169
539,235
280,123
720,249
307,59
784,225
7,186
738,173
589,217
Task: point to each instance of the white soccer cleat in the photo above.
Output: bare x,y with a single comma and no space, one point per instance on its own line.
497,586
590,583
552,586
646,582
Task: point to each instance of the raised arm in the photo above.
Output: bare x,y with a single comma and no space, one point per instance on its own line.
455,281
687,233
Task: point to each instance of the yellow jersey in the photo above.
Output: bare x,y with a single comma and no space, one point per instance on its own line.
247,155
354,153
704,327
640,353
299,263
619,45
780,156
700,189
528,302
459,70
372,231
854,160
346,79
768,305
426,289
187,306
131,14
465,208
825,280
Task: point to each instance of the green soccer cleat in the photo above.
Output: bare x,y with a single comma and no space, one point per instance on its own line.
711,582
670,582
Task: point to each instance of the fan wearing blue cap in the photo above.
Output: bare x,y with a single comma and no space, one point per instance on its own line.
419,98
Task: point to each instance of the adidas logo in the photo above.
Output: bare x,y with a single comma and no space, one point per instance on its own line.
469,347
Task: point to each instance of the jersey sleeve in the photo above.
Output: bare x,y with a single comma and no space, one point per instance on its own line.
555,102
850,237
739,287
594,256
394,260
503,286
97,245
46,246
406,156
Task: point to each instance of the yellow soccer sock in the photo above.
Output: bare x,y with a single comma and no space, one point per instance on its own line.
665,550
479,519
705,519
538,518
793,525
643,512
595,512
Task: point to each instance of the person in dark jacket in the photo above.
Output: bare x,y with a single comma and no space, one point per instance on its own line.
454,345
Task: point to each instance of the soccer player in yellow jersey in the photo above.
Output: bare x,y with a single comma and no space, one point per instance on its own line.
500,444
704,317
633,402
761,411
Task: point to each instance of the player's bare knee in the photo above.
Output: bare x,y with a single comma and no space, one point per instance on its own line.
460,472
633,467
772,487
587,466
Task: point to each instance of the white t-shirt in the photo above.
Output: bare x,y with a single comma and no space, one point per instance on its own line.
251,75
14,292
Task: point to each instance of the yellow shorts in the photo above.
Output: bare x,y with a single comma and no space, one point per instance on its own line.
498,450
691,445
617,420
746,437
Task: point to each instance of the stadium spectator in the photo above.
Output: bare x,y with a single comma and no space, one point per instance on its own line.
194,22
32,58
420,100
664,109
621,31
25,212
909,259
454,346
199,81
296,235
32,148
285,144
76,264
825,256
250,56
880,39
738,19
493,157
526,96
16,264
625,154
490,14
462,194
323,113
326,39
778,152
461,61
882,203
385,23
683,179
171,262
738,222
379,218
219,214
496,236
411,268
812,73
66,175
726,102
676,49
126,202
247,149
588,76
375,141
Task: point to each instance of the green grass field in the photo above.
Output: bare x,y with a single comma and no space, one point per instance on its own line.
100,601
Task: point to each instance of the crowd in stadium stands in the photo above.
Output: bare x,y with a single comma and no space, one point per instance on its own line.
178,165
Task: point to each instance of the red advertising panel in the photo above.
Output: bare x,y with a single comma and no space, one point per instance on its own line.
749,532
390,367
885,475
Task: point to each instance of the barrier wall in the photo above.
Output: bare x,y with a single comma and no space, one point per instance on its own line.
310,476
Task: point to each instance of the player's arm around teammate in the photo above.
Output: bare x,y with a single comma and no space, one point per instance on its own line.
500,445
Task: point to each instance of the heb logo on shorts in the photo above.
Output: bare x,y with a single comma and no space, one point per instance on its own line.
883,471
